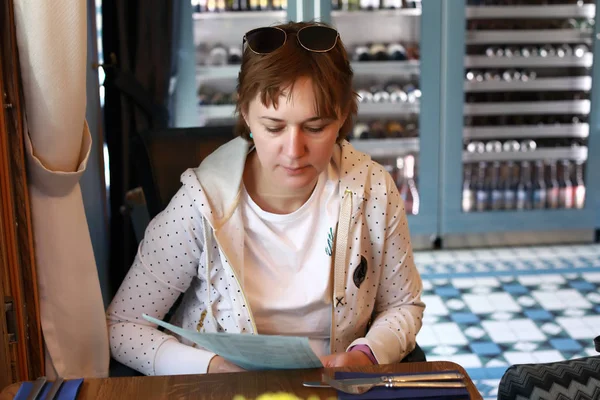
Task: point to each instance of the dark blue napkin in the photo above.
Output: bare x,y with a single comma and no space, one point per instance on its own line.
68,390
380,393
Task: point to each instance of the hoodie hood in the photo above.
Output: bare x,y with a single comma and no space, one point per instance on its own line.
217,182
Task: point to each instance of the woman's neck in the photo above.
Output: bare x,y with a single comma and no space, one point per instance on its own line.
267,195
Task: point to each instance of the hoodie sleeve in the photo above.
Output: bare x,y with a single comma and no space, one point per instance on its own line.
398,309
164,266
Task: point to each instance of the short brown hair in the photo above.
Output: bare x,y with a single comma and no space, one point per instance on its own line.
270,74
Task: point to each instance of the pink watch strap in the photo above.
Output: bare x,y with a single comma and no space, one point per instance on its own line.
366,350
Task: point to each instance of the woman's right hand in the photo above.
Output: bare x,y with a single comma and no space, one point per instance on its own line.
220,365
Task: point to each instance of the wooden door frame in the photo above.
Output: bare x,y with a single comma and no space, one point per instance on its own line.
17,257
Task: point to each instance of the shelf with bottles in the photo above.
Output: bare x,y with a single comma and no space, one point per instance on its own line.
528,107
218,105
388,68
525,150
514,80
395,97
527,131
345,8
405,173
234,14
216,61
531,11
536,61
530,36
523,186
219,9
526,126
382,148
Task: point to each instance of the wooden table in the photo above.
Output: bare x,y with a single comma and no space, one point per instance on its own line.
226,386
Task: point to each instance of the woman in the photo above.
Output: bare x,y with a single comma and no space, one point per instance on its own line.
285,230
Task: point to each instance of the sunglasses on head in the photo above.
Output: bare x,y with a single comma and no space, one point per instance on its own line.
315,38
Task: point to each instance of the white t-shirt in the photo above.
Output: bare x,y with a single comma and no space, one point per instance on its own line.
288,258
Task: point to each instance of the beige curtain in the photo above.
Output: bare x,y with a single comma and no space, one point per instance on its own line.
52,44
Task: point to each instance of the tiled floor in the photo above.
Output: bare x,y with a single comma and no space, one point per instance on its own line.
491,308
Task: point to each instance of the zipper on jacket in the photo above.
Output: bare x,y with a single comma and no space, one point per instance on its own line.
254,329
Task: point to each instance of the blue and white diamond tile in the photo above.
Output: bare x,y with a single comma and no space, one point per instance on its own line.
490,308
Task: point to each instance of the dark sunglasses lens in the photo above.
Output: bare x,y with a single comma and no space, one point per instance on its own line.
318,38
265,40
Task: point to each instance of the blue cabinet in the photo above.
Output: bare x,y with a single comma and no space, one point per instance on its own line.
482,82
418,30
564,84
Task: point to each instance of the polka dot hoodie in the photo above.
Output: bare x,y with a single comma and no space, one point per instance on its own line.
195,247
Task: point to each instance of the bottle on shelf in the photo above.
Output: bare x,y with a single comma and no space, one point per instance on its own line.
396,52
579,184
512,51
394,129
235,55
380,95
474,76
482,192
409,190
511,146
547,51
539,187
494,51
200,5
524,187
530,51
468,193
254,5
564,50
413,93
493,146
492,75
378,52
264,5
552,186
377,130
496,195
509,186
391,4
364,96
580,50
413,3
361,53
360,131
511,75
217,56
397,95
528,145
565,191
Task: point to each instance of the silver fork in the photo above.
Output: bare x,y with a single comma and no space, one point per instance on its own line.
365,387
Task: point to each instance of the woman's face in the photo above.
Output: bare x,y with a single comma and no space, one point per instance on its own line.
293,143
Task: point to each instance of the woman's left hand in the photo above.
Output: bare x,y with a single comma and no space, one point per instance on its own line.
349,359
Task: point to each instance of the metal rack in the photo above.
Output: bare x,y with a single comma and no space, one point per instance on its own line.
550,154
582,83
382,148
527,131
528,108
531,12
388,68
529,62
530,36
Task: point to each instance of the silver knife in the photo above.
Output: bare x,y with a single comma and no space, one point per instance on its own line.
54,389
445,376
38,385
